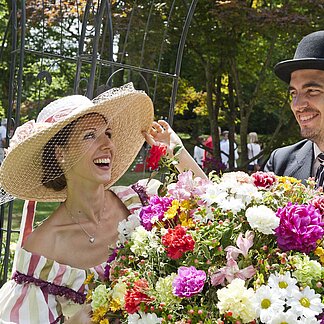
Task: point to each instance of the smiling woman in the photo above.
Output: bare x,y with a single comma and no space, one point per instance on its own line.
75,151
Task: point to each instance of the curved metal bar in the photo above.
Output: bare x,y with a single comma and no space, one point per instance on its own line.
145,33
81,46
111,35
179,58
162,47
140,74
99,16
5,35
21,60
128,31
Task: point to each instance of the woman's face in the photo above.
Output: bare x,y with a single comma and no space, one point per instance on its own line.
90,151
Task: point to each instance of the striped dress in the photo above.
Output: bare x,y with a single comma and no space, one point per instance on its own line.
43,290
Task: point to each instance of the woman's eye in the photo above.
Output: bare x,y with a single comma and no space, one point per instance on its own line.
89,135
108,134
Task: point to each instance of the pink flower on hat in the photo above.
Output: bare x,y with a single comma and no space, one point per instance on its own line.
25,131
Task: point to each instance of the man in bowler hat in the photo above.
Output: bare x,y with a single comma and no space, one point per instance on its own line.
305,76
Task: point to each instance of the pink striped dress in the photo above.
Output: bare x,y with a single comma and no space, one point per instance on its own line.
43,290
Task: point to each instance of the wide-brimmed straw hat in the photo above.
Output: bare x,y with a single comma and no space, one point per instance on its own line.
129,112
309,55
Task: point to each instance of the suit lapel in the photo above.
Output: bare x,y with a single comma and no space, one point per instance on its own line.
300,165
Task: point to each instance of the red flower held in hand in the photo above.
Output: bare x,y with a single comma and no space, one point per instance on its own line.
155,154
177,242
135,296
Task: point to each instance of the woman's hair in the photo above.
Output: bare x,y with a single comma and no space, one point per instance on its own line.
253,137
53,175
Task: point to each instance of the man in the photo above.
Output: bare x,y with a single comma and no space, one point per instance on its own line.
305,76
3,140
225,148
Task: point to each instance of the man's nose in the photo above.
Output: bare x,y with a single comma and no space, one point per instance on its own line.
299,102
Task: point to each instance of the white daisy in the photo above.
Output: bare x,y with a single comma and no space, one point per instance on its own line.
306,303
284,317
267,303
284,284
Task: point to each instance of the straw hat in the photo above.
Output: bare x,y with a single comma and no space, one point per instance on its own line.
128,112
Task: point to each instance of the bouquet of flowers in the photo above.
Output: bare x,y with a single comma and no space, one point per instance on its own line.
235,249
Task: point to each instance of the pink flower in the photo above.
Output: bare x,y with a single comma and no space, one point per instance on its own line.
243,243
264,179
187,186
300,227
230,272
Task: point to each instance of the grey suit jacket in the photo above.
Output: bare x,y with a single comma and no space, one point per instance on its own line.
293,161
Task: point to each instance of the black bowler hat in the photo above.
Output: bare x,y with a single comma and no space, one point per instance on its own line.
309,55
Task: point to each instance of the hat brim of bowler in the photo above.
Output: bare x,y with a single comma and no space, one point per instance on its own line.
128,116
284,69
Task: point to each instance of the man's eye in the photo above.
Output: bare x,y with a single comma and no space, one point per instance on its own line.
292,94
313,92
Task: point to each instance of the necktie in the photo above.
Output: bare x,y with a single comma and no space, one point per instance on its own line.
319,178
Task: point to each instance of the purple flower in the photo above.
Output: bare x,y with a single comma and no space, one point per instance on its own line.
111,258
188,282
156,208
300,227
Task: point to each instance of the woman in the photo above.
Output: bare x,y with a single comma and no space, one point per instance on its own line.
253,150
73,153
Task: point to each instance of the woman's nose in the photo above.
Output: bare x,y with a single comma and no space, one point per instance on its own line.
105,141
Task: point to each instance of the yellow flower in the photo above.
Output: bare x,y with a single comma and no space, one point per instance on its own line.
99,314
89,296
104,321
89,279
185,205
115,305
173,210
186,221
320,253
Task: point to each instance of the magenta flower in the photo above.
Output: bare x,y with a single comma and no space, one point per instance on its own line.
156,208
188,282
300,227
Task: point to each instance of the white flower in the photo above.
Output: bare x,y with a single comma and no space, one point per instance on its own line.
140,241
267,303
283,317
119,291
237,299
284,284
262,218
211,194
306,303
142,318
127,226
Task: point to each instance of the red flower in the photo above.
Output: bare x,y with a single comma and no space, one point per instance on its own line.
177,242
318,202
263,179
155,153
135,296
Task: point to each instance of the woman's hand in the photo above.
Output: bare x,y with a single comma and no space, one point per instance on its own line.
83,316
162,133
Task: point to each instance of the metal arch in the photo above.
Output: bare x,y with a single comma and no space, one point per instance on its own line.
179,59
96,62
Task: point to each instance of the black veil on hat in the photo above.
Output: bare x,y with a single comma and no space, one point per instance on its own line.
309,55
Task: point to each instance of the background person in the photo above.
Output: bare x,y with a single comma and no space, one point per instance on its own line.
305,76
225,148
253,150
75,151
199,152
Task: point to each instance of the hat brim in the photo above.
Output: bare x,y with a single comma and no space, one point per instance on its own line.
128,116
284,69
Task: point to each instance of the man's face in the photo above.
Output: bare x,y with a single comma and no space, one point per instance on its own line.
307,103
